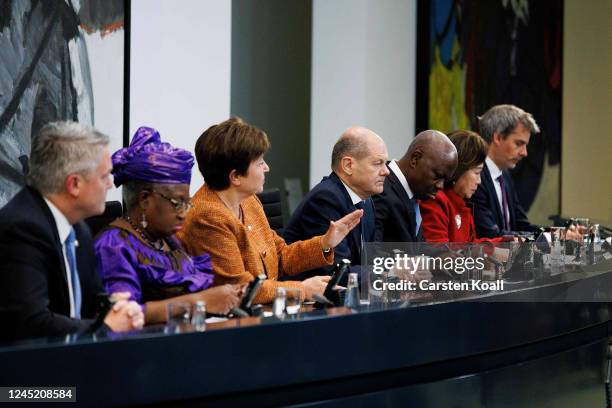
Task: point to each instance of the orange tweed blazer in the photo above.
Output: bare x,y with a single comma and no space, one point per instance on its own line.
240,250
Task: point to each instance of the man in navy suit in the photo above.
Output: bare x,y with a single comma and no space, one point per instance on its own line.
48,281
358,172
430,159
497,210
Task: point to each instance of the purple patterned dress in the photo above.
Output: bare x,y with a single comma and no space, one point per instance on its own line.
127,263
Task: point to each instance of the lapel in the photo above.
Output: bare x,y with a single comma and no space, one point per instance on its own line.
52,229
487,180
348,207
402,197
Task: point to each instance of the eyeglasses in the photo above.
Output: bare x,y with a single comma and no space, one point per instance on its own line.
179,206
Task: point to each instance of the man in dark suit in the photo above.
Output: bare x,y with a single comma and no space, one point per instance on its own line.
497,210
358,172
48,281
430,159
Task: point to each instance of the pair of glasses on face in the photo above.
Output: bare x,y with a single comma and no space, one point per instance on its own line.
179,206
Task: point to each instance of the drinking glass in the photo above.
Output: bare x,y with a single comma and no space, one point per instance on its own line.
198,320
293,301
582,227
280,300
178,317
557,248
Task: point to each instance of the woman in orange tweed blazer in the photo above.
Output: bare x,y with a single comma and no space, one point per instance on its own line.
228,221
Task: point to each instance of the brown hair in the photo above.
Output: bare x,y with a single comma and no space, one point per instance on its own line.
471,150
503,119
230,145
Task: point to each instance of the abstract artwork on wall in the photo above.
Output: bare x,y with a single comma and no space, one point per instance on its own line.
473,54
60,60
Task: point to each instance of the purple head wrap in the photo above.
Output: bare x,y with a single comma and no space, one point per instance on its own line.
148,159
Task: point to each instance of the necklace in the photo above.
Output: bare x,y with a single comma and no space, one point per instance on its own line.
158,245
230,208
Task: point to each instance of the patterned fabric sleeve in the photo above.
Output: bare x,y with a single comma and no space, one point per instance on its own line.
115,260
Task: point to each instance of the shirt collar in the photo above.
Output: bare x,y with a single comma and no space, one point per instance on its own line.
61,222
354,197
400,176
493,169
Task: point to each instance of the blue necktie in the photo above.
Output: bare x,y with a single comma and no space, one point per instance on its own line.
417,216
74,275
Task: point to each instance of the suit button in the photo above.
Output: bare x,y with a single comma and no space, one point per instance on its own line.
250,227
264,253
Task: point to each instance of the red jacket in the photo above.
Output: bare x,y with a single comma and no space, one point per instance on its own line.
447,218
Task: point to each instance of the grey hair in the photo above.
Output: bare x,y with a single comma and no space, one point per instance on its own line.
132,188
61,149
348,145
503,119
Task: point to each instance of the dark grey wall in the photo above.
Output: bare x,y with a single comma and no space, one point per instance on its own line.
270,85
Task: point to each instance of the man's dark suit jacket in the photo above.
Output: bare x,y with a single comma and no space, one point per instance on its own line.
395,217
34,299
329,201
488,213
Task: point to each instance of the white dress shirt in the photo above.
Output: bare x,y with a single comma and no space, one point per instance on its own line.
63,230
354,197
400,176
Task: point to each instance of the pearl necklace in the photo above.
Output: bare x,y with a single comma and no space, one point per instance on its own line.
158,245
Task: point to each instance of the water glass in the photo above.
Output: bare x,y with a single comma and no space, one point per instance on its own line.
280,300
293,301
178,315
557,247
582,227
198,320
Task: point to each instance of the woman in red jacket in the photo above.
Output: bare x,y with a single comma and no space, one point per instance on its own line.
447,218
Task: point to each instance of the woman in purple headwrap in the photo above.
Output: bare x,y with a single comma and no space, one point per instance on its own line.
138,253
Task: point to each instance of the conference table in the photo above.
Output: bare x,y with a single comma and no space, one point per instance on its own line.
542,342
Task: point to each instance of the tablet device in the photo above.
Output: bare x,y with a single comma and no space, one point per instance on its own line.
251,292
340,270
